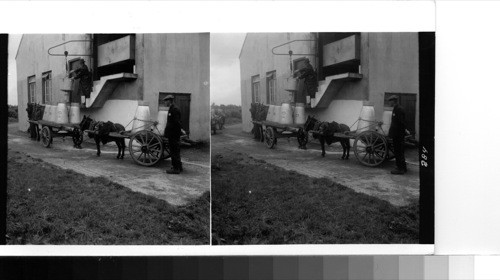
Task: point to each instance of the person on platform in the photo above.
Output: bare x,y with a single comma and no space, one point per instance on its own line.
310,78
397,133
85,84
173,132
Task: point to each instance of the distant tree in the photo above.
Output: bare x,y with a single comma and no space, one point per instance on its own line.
13,111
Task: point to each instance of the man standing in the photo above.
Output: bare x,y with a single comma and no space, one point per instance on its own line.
85,77
173,134
310,78
397,133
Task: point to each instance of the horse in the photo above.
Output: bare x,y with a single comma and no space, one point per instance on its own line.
101,132
326,134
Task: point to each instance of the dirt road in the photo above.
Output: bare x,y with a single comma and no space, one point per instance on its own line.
375,181
175,189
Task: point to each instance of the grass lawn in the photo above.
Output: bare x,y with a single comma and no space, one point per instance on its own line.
50,205
257,203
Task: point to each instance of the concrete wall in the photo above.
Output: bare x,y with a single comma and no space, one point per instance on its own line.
256,58
33,59
180,63
109,112
341,111
393,68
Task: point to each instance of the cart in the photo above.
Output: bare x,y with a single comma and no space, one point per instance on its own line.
371,146
269,132
47,131
146,146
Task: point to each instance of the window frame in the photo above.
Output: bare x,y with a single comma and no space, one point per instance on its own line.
32,93
271,87
46,83
255,86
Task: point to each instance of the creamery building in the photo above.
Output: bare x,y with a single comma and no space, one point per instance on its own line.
125,68
353,70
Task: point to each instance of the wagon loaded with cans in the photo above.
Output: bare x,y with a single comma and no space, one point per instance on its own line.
371,144
146,143
50,121
273,122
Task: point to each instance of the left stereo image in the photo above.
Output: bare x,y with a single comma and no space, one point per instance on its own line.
109,139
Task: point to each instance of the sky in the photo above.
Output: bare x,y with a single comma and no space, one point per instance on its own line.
225,68
14,40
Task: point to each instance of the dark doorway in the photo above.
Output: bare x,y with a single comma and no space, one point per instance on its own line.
74,97
183,101
300,95
409,103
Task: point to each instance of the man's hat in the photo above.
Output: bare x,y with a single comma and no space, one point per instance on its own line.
169,97
394,97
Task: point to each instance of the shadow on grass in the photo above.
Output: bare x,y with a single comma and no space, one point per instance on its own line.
50,205
259,203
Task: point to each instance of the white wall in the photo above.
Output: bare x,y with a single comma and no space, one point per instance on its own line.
33,59
340,111
117,111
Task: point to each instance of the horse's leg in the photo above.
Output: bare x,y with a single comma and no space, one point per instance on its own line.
97,140
117,142
122,143
344,149
322,141
348,145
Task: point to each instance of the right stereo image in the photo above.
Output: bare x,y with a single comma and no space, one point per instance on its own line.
322,138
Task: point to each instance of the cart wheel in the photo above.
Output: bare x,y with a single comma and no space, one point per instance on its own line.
261,134
270,137
146,148
302,138
370,148
46,136
77,137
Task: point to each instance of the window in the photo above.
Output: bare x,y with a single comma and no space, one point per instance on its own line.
255,89
46,87
31,89
271,87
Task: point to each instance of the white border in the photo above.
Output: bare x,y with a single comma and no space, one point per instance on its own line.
215,16
208,16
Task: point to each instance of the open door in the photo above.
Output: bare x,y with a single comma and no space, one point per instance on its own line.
183,101
74,97
409,103
300,95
